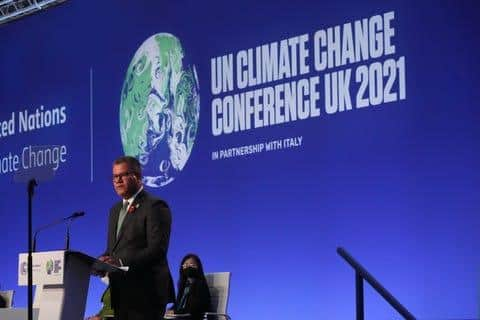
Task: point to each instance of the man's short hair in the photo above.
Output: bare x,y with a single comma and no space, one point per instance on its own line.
132,163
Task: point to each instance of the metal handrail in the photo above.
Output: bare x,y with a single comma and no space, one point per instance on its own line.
362,274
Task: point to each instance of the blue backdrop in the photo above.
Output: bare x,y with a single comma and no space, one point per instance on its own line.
396,183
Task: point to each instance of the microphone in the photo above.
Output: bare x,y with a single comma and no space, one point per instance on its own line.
68,219
75,215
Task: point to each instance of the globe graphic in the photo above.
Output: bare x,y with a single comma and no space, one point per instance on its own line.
159,109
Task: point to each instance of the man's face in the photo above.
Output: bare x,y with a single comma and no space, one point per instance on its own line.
124,181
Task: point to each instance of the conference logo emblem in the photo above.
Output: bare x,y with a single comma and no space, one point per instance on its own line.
53,266
160,109
49,266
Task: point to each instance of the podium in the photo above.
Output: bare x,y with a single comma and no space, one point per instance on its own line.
61,279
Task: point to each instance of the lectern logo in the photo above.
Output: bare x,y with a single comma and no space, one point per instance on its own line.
53,266
49,266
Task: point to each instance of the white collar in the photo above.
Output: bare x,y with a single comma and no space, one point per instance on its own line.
131,199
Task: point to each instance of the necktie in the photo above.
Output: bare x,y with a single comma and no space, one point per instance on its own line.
121,216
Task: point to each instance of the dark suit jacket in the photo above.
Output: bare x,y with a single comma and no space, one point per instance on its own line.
142,245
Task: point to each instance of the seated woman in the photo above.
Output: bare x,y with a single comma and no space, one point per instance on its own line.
193,296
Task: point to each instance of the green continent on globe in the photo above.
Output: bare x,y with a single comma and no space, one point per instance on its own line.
134,99
159,109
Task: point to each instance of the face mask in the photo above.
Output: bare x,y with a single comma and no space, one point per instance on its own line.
190,272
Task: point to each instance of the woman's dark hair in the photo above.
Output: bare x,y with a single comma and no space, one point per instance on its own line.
182,278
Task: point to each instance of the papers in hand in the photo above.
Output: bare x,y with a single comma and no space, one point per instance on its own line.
101,268
105,278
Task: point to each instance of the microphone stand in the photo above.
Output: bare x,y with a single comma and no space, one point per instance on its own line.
31,186
67,236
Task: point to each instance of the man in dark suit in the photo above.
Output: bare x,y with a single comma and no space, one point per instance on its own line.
138,237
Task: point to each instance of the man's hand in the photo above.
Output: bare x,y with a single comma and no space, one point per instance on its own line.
110,260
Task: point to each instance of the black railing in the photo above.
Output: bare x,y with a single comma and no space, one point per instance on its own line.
362,274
